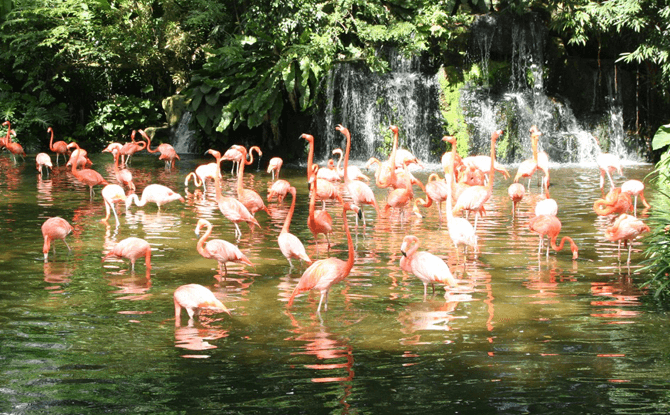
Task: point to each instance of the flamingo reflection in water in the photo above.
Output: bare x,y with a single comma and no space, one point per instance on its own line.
57,275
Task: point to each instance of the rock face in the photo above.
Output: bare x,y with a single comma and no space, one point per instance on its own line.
174,107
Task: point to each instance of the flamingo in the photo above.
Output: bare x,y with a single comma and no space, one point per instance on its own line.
132,248
289,244
231,208
354,172
79,156
483,164
451,158
400,197
222,251
359,192
516,192
461,230
154,193
53,229
86,176
194,297
123,176
326,189
111,195
318,221
330,174
325,273
43,160
249,198
168,153
202,172
235,155
129,149
626,228
405,157
635,188
528,167
547,206
59,147
607,164
436,191
15,149
113,146
274,166
474,197
6,139
615,202
279,189
425,266
550,226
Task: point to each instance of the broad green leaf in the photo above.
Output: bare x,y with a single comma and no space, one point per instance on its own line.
226,119
661,138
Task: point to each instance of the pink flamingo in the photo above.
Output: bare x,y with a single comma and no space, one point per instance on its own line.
59,147
194,297
550,226
516,192
400,197
325,273
123,176
154,193
528,167
626,228
436,191
318,221
15,149
202,172
231,208
43,160
482,163
426,266
274,166
129,149
326,190
249,198
79,156
222,251
53,229
330,174
635,188
615,202
461,230
354,172
279,189
289,244
168,153
405,157
131,248
4,140
607,164
451,158
86,176
546,206
359,192
111,195
474,197
235,155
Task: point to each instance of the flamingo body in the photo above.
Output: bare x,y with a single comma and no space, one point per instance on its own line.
53,229
131,248
193,298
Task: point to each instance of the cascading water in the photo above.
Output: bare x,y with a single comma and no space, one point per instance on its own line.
183,137
368,103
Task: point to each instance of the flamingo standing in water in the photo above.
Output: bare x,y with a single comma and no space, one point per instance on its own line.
546,206
326,190
7,137
15,149
111,195
626,228
79,156
53,229
42,160
279,189
325,273
168,153
359,192
354,172
635,188
86,176
425,266
474,197
249,198
202,172
318,221
59,147
516,192
614,203
231,208
461,230
154,193
123,176
542,159
451,158
528,167
131,248
194,297
607,164
330,174
400,197
550,226
289,244
222,251
274,166
129,149
436,191
235,155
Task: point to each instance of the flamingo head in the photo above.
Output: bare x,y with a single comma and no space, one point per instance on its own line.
216,154
407,242
72,145
449,139
352,207
308,137
201,223
338,151
394,128
6,123
50,130
331,164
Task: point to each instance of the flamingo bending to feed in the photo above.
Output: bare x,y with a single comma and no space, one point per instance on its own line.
274,166
111,195
626,228
131,248
168,153
279,189
129,149
154,193
249,198
194,297
222,251
86,176
202,172
231,208
59,147
400,197
354,172
607,164
43,160
614,203
473,198
123,176
326,190
359,192
425,266
635,188
436,191
516,192
318,221
53,229
289,244
325,273
550,226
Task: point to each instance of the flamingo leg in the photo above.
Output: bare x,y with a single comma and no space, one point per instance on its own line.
425,291
630,249
318,310
635,206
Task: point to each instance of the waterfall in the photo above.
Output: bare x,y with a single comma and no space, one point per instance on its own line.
182,141
368,103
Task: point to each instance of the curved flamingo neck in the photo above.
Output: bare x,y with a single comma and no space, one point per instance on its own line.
148,143
195,179
75,172
240,171
494,138
339,160
310,158
217,179
203,238
350,243
251,155
412,249
346,133
395,148
534,144
559,247
287,221
51,142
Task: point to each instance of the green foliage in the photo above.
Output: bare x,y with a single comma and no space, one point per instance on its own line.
661,138
451,81
116,117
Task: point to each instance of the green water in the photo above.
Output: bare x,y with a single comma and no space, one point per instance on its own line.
523,335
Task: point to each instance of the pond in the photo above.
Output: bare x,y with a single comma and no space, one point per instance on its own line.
522,334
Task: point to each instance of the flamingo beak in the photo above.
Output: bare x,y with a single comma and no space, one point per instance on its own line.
403,253
360,214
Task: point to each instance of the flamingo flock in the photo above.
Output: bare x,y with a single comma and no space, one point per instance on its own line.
466,187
